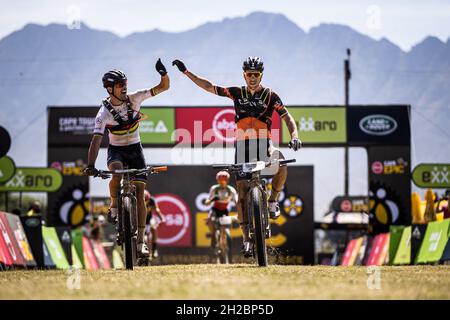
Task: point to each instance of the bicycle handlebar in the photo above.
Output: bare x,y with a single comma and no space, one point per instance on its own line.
239,166
105,174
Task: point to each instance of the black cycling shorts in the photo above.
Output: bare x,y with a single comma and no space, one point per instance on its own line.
131,156
219,213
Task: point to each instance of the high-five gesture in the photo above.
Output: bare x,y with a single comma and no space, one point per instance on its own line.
160,68
180,65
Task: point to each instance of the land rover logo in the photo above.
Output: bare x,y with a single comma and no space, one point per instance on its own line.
378,125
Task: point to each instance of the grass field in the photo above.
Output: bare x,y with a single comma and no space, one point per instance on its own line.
230,282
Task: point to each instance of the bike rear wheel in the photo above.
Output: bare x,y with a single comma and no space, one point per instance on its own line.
257,208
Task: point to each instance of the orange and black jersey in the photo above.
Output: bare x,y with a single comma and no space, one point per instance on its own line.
253,112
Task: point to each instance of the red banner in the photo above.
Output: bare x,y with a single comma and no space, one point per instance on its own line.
101,254
211,124
89,257
379,250
10,241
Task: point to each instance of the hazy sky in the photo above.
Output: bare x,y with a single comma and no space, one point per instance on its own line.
405,22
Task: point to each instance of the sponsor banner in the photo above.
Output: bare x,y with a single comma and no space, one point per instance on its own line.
33,230
292,233
177,231
76,261
69,205
100,254
5,256
9,241
77,242
71,126
432,175
321,125
350,204
7,169
446,253
379,250
351,252
90,261
117,260
396,233
389,167
54,247
434,242
65,238
362,251
403,254
212,124
33,180
18,232
389,189
378,125
5,142
417,235
48,261
157,126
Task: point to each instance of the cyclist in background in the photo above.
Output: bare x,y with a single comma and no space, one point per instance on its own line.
221,194
119,114
151,223
254,106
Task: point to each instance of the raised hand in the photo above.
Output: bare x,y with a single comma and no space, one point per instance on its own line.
180,65
160,68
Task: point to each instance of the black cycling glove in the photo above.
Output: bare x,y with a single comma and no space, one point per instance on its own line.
295,144
180,65
160,68
90,171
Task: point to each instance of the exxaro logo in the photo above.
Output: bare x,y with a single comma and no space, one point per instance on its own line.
378,125
437,175
310,124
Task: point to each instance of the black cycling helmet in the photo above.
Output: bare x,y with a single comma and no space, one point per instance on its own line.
112,77
253,64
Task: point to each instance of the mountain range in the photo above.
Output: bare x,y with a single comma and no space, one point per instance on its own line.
54,65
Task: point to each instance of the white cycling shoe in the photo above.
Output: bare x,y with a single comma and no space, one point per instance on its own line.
142,250
274,210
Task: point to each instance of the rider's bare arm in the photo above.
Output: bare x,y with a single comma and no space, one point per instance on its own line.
291,125
201,82
93,149
159,214
164,85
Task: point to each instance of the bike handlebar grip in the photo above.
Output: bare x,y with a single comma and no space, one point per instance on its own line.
159,169
220,166
288,161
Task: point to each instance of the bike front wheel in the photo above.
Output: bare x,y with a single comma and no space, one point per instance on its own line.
259,228
127,211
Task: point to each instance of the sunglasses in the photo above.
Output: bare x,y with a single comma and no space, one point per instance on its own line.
249,74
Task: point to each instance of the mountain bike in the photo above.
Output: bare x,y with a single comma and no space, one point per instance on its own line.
222,238
127,217
258,227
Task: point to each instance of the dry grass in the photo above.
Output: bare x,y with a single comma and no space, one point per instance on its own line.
230,282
